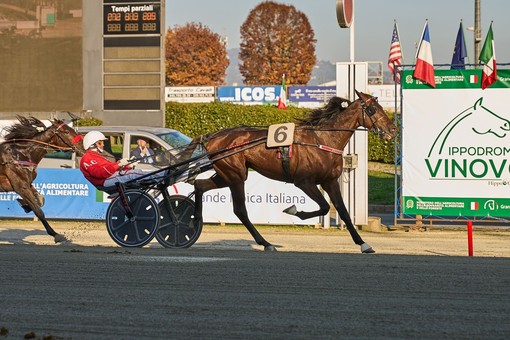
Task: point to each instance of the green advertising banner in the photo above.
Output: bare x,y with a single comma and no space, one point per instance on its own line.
456,145
455,79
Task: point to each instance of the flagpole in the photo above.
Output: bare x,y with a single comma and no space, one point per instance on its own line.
477,32
464,40
351,37
398,33
421,39
394,70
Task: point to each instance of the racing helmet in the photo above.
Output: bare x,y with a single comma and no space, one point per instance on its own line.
91,138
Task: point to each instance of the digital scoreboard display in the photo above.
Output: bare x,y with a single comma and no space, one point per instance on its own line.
133,60
131,18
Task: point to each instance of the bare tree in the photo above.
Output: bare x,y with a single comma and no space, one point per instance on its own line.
276,39
195,56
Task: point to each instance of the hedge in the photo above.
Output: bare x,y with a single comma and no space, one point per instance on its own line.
198,119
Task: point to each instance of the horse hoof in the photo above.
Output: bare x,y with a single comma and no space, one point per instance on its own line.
291,210
270,248
366,249
59,238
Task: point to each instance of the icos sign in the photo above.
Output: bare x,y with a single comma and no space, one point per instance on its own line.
456,146
249,94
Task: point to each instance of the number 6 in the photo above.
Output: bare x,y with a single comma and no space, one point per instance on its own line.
280,134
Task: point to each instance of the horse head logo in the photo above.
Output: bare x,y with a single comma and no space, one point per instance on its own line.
470,125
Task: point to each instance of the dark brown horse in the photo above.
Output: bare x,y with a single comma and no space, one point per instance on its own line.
25,145
315,159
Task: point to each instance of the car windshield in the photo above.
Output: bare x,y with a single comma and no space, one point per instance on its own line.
178,140
175,139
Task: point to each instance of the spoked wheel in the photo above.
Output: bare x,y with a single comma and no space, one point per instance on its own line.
136,230
177,226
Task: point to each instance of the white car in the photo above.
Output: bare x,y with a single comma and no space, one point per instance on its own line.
121,140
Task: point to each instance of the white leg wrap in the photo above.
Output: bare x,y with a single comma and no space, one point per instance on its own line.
365,248
291,210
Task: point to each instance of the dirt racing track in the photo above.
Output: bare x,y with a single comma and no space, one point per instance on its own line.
417,285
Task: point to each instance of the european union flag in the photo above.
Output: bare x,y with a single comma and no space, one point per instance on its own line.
459,53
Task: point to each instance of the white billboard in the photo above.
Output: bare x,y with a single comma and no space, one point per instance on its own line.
456,146
265,201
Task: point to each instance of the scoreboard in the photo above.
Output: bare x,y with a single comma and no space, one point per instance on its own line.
133,57
131,19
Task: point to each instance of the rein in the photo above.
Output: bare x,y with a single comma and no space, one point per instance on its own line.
331,129
243,146
52,146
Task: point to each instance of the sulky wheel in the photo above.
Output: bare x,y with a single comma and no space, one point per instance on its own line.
177,227
135,231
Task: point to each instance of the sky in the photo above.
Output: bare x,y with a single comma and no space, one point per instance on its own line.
373,25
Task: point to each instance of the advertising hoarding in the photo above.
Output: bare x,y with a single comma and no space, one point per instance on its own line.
189,94
456,145
249,94
68,195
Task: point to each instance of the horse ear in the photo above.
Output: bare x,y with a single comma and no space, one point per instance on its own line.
357,93
478,103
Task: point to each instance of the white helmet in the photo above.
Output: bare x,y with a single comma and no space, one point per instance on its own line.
91,138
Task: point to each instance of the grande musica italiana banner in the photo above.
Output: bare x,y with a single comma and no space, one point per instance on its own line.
456,145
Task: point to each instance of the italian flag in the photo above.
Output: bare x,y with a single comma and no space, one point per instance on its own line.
282,99
488,57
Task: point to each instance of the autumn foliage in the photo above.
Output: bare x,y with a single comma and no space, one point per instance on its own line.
195,56
276,39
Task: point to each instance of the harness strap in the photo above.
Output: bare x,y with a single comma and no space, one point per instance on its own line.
285,154
322,147
330,149
26,164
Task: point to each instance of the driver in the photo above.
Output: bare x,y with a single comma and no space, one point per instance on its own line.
100,171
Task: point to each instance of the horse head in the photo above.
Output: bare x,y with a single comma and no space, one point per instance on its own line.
66,137
373,117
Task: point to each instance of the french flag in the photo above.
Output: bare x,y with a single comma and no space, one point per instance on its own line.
424,69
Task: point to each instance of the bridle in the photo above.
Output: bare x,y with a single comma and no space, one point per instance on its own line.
369,110
71,146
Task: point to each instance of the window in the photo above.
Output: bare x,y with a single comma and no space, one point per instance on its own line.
59,155
113,145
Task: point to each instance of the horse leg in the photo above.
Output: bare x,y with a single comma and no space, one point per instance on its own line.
31,200
314,193
333,189
238,198
201,186
38,197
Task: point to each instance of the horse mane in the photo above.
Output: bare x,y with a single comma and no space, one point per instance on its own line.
25,128
321,116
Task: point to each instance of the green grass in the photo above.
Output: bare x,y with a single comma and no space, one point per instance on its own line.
381,188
